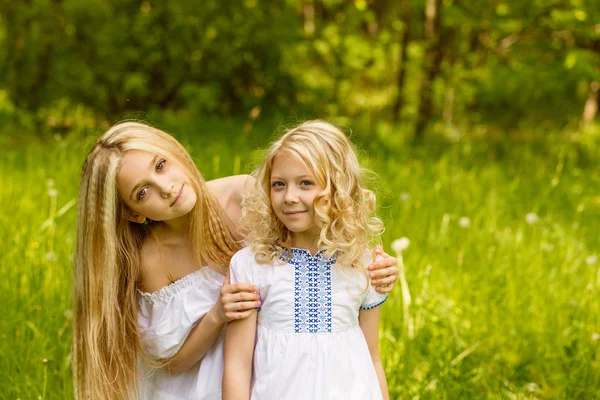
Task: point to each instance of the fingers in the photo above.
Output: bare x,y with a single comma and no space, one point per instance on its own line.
384,289
384,272
385,262
388,280
240,297
238,287
240,310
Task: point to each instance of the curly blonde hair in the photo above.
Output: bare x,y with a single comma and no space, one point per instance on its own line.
344,209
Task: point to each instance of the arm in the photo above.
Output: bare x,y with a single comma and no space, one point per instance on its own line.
384,272
237,301
369,323
239,350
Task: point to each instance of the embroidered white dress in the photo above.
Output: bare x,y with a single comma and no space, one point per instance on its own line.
165,320
309,344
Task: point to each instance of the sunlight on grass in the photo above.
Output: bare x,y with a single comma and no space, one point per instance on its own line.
499,286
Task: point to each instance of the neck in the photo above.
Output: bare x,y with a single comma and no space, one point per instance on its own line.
303,242
177,226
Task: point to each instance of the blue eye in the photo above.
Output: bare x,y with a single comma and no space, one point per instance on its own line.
142,193
160,165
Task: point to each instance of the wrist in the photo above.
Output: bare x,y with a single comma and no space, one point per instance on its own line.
215,316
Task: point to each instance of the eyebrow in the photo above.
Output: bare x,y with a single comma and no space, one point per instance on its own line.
150,166
279,178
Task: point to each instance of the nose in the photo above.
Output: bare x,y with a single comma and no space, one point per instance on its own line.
165,188
290,196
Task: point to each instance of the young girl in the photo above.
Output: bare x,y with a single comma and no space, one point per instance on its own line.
310,221
152,240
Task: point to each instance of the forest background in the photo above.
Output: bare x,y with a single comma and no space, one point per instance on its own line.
479,119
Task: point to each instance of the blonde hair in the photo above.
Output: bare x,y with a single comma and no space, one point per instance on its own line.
344,210
107,259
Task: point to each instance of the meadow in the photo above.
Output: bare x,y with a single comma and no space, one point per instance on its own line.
498,296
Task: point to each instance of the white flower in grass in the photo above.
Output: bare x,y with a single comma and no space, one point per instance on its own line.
591,260
595,337
50,256
464,222
404,196
52,192
399,245
532,218
532,387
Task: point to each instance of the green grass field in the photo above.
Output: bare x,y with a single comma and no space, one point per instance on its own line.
502,268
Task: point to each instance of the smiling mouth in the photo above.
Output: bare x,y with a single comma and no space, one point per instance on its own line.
178,196
294,212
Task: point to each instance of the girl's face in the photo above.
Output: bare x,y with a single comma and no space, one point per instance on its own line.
293,192
153,187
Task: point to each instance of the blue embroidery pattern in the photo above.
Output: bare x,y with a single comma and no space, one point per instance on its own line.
312,290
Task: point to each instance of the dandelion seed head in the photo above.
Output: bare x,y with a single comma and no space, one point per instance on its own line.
532,218
404,196
464,222
399,245
589,287
595,337
591,260
532,387
52,192
50,256
50,183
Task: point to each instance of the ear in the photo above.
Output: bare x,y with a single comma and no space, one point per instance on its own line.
137,218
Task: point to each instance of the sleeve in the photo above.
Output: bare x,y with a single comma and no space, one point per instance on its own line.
241,268
372,298
165,320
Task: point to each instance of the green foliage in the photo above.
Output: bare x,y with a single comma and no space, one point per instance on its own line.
509,64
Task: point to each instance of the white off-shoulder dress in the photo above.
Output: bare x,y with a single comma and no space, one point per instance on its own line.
165,320
309,344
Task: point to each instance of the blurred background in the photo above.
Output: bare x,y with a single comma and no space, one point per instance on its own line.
478,119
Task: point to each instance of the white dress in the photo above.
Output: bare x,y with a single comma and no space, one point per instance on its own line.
165,319
309,344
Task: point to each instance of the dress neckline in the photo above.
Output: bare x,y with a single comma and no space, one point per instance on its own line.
301,256
171,289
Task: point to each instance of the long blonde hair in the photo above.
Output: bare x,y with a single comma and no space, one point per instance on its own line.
106,272
344,210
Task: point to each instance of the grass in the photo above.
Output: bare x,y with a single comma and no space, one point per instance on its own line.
502,269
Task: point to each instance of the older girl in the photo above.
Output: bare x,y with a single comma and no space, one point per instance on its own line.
152,241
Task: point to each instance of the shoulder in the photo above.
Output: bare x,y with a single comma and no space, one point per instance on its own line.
230,191
153,276
242,267
231,188
243,256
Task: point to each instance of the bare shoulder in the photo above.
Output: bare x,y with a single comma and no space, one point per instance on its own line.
230,192
231,187
153,274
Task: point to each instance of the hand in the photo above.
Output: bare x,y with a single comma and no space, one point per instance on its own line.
236,301
384,272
